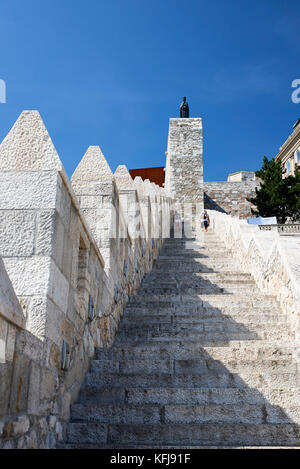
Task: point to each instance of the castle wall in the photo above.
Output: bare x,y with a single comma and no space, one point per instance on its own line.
72,261
230,197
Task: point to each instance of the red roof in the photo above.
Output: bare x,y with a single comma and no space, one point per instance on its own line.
156,175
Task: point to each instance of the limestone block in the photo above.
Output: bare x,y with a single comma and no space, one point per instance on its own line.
10,343
58,287
53,322
29,276
55,356
52,421
9,305
20,426
28,190
67,257
34,389
91,201
20,382
6,372
63,203
3,338
17,229
48,385
45,232
59,431
37,317
31,345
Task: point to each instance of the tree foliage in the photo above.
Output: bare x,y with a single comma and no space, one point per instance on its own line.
277,196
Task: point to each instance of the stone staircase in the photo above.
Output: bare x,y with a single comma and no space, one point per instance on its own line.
201,359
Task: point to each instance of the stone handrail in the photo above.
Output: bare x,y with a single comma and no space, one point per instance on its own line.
273,260
286,228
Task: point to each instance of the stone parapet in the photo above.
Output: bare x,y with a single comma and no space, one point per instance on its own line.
273,260
70,263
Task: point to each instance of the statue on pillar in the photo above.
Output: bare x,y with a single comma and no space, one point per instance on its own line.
184,108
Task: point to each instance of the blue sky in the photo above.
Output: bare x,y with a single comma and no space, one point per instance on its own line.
112,73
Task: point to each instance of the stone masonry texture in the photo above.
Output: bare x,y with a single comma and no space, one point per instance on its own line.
196,362
230,197
114,333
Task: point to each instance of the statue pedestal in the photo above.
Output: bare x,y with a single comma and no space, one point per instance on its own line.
184,166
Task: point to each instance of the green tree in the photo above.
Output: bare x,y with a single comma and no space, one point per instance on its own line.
277,196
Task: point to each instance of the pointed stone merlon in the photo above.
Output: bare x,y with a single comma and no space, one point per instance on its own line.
128,199
54,266
130,203
144,205
97,191
184,166
93,184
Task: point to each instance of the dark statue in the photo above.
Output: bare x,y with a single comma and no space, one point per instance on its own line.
184,108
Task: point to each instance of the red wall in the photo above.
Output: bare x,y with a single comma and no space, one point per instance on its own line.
156,175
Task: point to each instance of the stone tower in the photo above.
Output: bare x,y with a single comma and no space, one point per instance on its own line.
184,165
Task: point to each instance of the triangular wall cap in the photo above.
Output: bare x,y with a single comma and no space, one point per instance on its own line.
140,185
93,167
149,188
123,179
28,146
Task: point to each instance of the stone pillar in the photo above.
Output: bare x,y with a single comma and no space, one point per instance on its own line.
184,167
93,183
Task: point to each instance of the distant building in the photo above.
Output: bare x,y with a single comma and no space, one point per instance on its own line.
241,176
156,175
289,152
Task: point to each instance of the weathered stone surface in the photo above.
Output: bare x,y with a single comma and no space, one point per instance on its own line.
230,197
17,229
10,307
51,252
93,167
237,384
28,146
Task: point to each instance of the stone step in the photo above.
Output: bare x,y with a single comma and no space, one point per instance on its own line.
167,396
193,414
235,350
222,324
197,289
210,317
186,276
194,311
210,379
195,366
275,333
184,434
198,301
201,265
201,358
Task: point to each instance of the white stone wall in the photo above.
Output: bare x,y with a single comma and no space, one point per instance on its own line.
64,249
273,260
